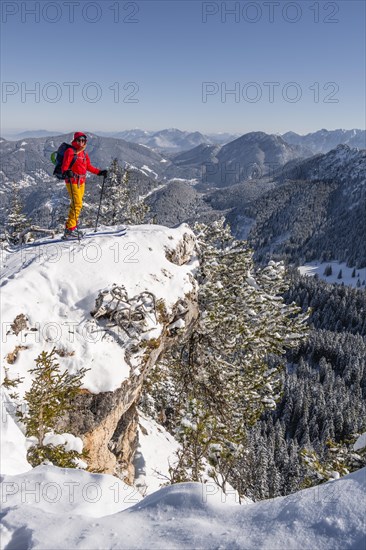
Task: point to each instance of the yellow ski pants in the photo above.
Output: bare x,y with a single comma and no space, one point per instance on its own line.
76,193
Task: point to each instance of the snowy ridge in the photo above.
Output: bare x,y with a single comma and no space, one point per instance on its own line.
343,164
56,285
323,140
185,515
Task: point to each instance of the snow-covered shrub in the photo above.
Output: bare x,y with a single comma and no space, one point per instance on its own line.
47,399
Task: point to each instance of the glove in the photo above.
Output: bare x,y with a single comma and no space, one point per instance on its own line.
103,173
68,174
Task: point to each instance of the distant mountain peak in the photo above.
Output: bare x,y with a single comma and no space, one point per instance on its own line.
324,140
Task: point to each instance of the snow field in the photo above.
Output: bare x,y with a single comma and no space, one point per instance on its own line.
316,268
181,516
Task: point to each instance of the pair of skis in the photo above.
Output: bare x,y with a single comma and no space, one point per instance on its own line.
85,235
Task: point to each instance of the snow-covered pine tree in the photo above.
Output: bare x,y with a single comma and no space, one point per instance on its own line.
229,366
120,203
47,399
338,460
195,434
244,321
16,220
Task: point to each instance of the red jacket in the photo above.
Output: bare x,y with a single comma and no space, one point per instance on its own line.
81,166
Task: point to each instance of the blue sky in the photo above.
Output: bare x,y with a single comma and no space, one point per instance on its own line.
113,65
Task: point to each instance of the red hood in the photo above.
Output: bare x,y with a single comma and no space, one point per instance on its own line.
79,134
77,145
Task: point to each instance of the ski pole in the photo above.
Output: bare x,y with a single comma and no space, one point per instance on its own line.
100,203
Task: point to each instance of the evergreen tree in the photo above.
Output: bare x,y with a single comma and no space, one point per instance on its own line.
328,270
16,220
338,460
324,388
229,367
195,435
49,396
121,204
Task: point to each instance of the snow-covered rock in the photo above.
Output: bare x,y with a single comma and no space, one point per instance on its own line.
55,286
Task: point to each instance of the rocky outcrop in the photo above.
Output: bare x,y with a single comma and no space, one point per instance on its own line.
183,252
115,316
124,443
20,323
107,422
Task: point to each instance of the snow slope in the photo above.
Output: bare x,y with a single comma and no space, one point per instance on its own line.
318,268
55,286
100,512
186,515
155,452
13,450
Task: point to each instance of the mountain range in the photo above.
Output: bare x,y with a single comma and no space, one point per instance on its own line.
28,159
170,140
325,140
316,210
173,140
286,200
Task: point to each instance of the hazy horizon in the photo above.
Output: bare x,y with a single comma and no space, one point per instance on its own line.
9,133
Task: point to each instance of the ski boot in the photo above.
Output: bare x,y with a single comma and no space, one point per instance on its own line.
71,235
